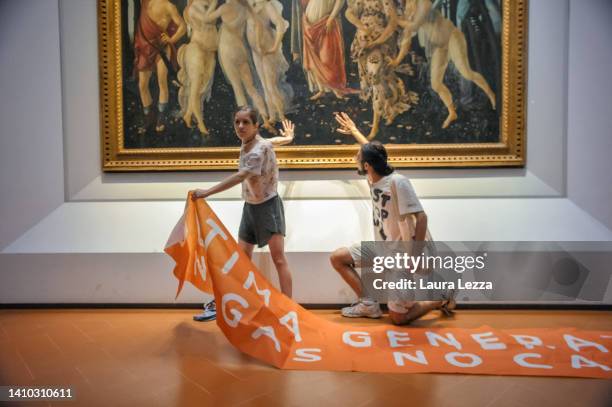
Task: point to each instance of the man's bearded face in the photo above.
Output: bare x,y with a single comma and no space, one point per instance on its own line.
360,169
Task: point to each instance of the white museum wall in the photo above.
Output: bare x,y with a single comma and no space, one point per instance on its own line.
80,89
104,244
589,163
31,139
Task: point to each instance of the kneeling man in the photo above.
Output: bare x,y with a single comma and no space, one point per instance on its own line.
397,215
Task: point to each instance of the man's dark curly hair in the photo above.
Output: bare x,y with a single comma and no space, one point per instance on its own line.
375,154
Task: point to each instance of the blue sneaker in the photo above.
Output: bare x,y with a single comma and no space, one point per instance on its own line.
209,314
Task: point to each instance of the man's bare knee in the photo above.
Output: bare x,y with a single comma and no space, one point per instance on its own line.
333,258
338,258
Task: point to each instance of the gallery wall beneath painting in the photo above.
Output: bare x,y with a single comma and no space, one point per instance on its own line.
441,83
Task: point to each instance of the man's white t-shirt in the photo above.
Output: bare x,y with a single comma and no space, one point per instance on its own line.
386,214
260,162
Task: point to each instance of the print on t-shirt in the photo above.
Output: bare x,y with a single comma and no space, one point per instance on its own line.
380,210
386,214
260,163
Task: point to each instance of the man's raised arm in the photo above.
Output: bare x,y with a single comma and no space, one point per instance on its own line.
347,126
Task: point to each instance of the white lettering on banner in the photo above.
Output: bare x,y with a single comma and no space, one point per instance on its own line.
452,359
487,342
250,281
365,342
520,359
199,231
449,339
229,264
579,362
528,341
576,343
419,358
215,231
294,328
396,337
306,355
269,332
237,314
199,267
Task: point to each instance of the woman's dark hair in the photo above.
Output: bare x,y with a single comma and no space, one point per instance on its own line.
375,154
251,111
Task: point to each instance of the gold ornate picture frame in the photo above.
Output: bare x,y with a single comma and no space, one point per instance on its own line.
480,136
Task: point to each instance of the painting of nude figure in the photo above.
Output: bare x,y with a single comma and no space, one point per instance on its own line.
440,82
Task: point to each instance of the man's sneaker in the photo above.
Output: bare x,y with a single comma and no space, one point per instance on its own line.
209,314
362,308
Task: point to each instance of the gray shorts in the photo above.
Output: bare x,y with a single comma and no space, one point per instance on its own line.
397,301
360,252
261,221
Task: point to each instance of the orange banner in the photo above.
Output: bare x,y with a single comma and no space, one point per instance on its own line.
262,322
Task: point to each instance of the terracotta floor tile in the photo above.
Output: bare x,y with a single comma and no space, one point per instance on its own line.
264,401
4,338
240,391
363,390
13,368
306,388
186,393
548,391
105,375
206,374
476,390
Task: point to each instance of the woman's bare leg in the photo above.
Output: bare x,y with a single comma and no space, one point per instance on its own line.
247,248
277,251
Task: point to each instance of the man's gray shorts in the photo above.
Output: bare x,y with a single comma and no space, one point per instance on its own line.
261,221
361,252
397,301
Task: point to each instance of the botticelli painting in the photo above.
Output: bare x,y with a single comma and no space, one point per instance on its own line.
440,82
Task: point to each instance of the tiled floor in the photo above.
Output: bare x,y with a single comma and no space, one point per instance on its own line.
163,358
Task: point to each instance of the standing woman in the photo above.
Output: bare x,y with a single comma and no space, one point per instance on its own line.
263,217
